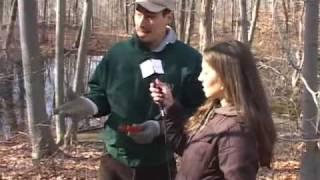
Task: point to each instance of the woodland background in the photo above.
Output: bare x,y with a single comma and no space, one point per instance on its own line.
49,48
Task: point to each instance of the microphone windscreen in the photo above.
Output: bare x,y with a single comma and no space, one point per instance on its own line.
150,67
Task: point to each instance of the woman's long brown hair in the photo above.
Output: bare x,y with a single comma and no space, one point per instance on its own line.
236,67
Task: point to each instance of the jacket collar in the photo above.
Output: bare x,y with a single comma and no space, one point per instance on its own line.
170,38
227,111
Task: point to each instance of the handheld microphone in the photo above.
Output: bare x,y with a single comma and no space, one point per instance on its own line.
153,68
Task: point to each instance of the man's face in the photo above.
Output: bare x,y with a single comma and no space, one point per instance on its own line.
151,27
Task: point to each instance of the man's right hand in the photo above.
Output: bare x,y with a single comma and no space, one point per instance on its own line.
80,107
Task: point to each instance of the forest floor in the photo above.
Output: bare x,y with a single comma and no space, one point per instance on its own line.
81,161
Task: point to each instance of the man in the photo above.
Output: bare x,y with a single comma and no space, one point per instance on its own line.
118,88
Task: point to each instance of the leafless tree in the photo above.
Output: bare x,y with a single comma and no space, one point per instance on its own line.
39,126
78,83
254,17
243,21
190,20
59,67
10,28
205,24
1,13
181,19
310,165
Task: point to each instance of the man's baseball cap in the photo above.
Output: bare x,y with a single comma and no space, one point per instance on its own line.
157,5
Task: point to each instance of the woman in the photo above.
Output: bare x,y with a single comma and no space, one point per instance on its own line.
232,133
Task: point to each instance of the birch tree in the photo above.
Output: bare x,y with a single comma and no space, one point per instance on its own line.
59,67
310,165
38,124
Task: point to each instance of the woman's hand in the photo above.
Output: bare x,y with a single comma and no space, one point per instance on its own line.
161,93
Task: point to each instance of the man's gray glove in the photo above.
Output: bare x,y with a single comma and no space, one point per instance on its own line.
149,130
80,107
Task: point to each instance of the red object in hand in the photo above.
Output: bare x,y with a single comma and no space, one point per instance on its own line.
126,128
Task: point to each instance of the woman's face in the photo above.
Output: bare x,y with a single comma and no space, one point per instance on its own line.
211,82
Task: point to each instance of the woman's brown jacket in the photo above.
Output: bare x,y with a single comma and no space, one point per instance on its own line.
224,148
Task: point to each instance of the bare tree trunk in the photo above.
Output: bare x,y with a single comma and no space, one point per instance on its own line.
232,15
6,84
182,20
310,165
7,113
286,14
10,28
44,37
119,15
237,30
1,13
127,14
243,19
45,11
190,21
83,48
6,94
296,9
50,10
301,28
112,17
59,74
6,6
75,12
224,17
78,84
76,43
255,15
21,96
8,103
205,24
4,121
213,19
273,9
39,126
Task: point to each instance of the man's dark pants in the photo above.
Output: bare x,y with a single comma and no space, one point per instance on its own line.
111,169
